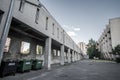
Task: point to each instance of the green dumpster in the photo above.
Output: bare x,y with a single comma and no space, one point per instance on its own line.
24,65
37,64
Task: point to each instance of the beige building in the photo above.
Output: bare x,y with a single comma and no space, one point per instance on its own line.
109,38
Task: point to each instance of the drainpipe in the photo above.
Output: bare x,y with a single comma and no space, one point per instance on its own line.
6,29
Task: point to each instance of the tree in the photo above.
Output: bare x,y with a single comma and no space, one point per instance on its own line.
116,50
92,51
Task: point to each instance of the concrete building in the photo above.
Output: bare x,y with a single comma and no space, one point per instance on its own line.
32,33
83,47
109,38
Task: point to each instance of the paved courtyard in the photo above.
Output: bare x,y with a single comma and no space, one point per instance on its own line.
82,70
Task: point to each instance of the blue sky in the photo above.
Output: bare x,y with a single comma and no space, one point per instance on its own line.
83,19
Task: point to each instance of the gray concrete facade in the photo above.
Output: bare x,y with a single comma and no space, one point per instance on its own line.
31,22
109,38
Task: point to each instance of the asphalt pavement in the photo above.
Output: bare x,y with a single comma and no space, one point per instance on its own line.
81,70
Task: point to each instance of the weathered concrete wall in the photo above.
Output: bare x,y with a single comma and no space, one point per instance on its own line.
15,46
109,38
115,31
29,19
46,27
4,7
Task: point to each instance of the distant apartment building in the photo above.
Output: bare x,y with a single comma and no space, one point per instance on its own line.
109,38
83,47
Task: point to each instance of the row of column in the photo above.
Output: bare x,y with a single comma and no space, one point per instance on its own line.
74,56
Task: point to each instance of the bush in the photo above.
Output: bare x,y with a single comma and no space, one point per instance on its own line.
117,60
116,51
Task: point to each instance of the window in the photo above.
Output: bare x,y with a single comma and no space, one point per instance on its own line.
7,44
1,14
37,15
22,4
46,23
25,47
106,41
61,35
53,28
54,52
57,32
58,53
39,49
110,38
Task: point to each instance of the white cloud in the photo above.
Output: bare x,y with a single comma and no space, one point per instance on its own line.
71,33
71,28
65,26
76,29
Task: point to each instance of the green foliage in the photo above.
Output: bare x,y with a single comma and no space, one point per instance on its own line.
92,51
116,50
117,60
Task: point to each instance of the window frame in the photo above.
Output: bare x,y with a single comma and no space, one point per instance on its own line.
37,15
41,53
22,52
7,44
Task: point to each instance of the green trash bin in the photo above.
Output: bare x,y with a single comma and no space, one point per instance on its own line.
37,64
25,65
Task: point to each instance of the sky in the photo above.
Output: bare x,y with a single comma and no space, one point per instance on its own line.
83,19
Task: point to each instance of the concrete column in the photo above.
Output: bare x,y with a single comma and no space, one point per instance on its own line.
33,50
5,28
69,56
73,56
77,56
62,54
48,53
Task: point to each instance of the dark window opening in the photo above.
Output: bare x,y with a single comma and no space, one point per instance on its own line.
109,31
46,23
53,28
57,32
1,15
37,15
109,38
22,4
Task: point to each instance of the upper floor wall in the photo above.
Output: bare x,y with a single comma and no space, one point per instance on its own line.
34,14
115,31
